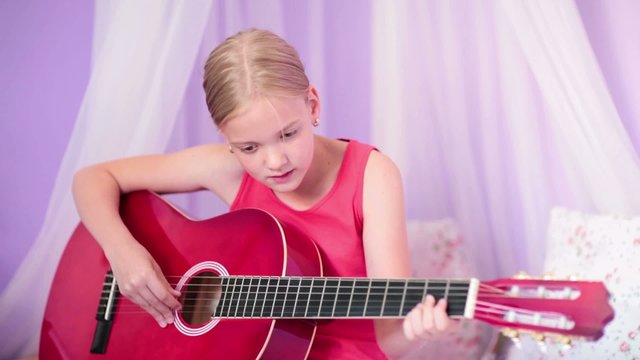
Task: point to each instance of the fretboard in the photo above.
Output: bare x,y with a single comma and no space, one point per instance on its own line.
328,298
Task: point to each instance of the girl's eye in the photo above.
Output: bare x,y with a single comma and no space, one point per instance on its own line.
290,134
248,149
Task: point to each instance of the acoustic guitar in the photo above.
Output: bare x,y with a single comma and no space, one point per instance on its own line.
252,287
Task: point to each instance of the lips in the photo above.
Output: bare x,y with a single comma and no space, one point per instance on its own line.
283,177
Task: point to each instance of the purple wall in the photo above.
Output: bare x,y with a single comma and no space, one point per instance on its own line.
46,50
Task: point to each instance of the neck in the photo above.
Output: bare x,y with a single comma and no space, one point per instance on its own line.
321,176
319,297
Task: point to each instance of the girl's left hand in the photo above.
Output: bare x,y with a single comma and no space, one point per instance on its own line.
427,319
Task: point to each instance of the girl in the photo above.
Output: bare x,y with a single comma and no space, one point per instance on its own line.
343,194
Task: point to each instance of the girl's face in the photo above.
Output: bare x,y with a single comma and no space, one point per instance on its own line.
273,139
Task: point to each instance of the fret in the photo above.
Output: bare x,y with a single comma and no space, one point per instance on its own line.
270,297
375,298
366,300
359,298
335,299
426,288
437,289
414,295
290,297
252,296
353,287
315,298
404,295
219,310
295,302
278,297
446,291
458,292
329,296
302,302
261,295
233,304
244,298
393,299
342,299
384,299
281,295
240,303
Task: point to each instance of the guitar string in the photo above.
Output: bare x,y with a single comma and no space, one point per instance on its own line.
430,290
453,301
350,311
484,310
455,297
315,304
481,308
246,289
451,298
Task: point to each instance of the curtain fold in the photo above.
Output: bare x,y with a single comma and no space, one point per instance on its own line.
143,57
591,138
496,112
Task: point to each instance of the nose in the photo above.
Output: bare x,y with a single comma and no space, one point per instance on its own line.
276,157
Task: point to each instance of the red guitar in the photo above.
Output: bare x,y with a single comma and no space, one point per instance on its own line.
258,314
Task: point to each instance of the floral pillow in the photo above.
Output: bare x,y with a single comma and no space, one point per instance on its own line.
596,247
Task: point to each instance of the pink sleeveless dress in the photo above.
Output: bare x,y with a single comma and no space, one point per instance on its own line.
335,224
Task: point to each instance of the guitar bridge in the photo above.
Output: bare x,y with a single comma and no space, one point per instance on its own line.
104,315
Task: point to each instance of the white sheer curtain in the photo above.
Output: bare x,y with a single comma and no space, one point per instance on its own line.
496,112
144,54
595,148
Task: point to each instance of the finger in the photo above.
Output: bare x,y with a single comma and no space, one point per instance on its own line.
407,326
164,292
427,313
416,321
165,313
146,306
440,319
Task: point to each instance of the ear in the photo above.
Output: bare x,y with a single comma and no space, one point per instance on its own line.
314,102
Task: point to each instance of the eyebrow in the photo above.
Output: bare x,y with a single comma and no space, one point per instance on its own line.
279,133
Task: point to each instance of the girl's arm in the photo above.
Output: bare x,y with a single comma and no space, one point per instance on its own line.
387,256
97,191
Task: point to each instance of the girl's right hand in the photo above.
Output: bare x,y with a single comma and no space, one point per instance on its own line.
140,280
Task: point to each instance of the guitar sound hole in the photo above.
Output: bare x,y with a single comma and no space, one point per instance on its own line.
200,297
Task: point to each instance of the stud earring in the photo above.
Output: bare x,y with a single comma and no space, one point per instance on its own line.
230,149
316,122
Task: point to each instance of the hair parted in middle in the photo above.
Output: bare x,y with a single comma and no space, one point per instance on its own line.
248,65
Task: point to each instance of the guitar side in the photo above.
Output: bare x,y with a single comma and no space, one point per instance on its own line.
243,242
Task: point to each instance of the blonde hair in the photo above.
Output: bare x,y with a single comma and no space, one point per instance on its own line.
247,65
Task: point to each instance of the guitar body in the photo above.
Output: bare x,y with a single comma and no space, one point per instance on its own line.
242,242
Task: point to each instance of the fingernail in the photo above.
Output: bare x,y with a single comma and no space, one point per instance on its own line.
163,324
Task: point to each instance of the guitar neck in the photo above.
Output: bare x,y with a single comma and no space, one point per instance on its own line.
327,298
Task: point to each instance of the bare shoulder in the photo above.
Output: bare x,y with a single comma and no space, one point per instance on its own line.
382,189
381,170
